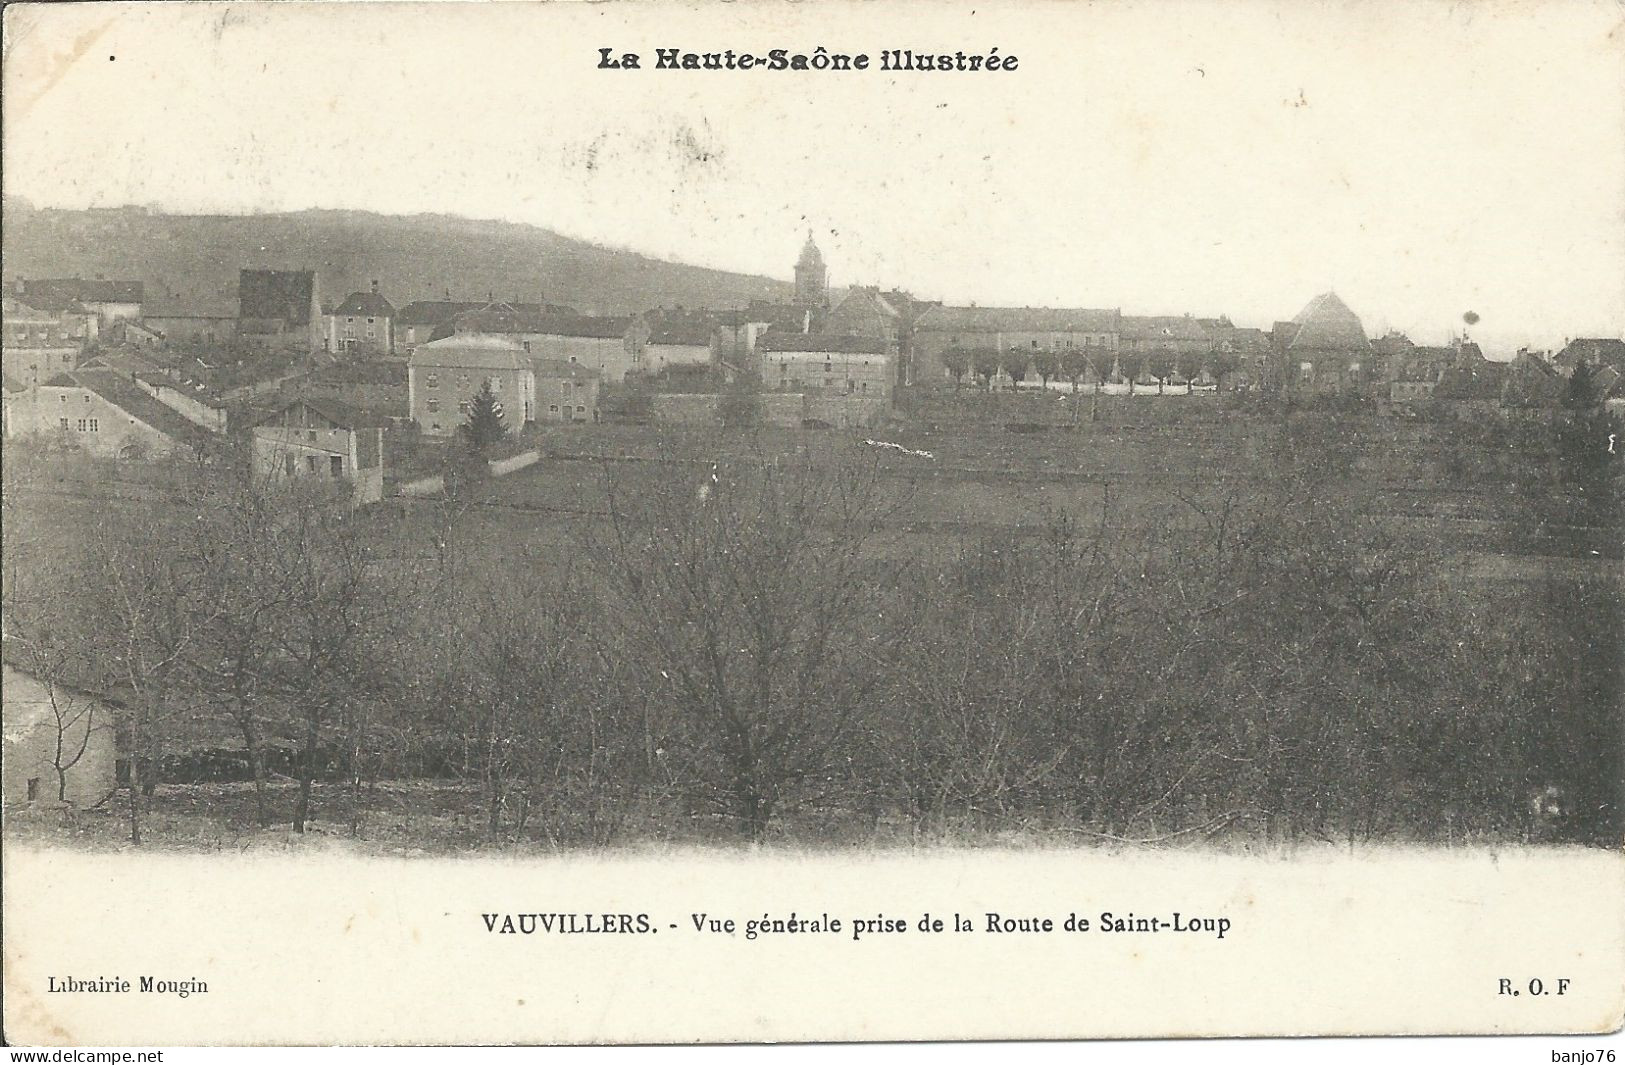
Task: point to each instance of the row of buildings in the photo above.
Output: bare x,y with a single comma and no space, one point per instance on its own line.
366,364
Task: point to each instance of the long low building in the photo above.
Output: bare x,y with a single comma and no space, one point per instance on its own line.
1032,329
103,413
824,362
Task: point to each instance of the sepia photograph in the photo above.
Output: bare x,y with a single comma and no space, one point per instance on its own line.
618,523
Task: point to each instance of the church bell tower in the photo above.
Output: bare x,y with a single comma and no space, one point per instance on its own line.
812,280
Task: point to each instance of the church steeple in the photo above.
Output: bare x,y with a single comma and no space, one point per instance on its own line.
812,282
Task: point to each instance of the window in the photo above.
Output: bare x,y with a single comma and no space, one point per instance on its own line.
462,380
433,405
435,426
564,388
33,788
572,360
581,410
349,321
310,434
495,383
64,422
526,345
81,425
310,463
93,425
1306,371
552,408
528,414
288,465
370,321
336,466
462,406
432,381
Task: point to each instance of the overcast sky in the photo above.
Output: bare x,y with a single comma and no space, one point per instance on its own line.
1421,159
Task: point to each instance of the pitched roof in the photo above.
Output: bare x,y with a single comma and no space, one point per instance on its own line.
368,304
276,295
362,372
1161,327
15,310
59,293
344,415
188,307
786,316
822,342
568,325
693,335
1017,320
562,368
1598,351
1478,381
123,393
1327,324
472,351
433,312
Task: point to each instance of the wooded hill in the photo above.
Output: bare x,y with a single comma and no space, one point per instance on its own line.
195,258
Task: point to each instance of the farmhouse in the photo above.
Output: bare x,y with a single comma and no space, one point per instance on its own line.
824,362
102,413
324,439
565,391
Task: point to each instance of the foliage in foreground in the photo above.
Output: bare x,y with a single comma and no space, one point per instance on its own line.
766,642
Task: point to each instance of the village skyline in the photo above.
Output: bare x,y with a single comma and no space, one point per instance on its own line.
1449,178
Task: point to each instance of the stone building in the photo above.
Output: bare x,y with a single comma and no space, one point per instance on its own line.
364,324
1005,329
443,377
101,413
611,345
825,362
61,743
37,345
280,308
1324,349
312,439
565,391
812,277
107,301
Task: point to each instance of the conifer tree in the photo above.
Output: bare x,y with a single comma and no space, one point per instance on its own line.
486,426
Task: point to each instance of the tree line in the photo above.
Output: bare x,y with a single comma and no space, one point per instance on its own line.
775,643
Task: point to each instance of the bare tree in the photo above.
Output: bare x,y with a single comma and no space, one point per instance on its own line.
756,608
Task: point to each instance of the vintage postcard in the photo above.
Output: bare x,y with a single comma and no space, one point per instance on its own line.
566,523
